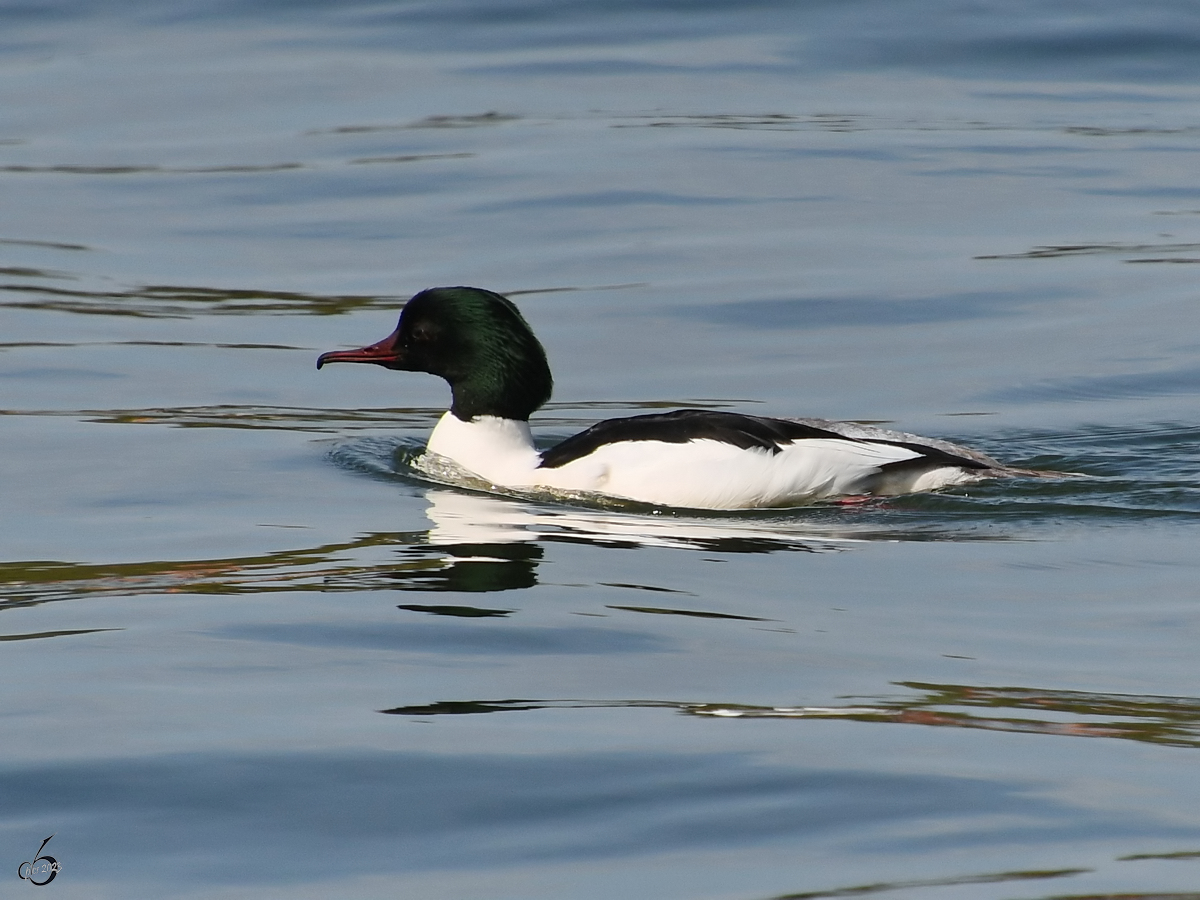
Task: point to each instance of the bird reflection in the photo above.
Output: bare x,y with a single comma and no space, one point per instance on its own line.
471,518
475,568
486,543
476,543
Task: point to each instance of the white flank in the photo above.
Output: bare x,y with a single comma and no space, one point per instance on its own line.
700,474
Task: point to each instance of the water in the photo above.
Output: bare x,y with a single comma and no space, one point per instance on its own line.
250,650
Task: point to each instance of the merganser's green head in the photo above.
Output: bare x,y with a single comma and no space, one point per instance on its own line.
477,340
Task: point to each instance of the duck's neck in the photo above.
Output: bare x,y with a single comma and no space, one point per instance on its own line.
496,449
505,380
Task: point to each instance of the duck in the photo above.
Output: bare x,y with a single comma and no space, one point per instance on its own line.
706,459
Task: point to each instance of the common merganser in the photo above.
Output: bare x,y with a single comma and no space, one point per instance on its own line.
696,458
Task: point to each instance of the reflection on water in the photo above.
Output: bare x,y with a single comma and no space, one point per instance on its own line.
184,302
468,518
158,301
408,157
1173,721
663,611
327,567
49,245
50,634
852,122
468,121
990,878
143,170
275,418
459,612
1170,721
1140,252
483,542
25,272
477,543
474,568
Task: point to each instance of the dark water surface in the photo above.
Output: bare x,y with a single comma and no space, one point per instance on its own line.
249,652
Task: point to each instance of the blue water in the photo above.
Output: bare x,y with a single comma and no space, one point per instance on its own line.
250,651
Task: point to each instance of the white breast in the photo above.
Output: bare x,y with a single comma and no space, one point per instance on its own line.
497,450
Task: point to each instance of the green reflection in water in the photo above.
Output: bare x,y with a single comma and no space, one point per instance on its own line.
49,245
74,169
159,301
329,567
176,302
1179,854
38,635
1137,250
413,561
880,887
278,418
309,419
1171,721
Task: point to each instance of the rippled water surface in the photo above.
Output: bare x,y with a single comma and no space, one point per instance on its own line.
250,649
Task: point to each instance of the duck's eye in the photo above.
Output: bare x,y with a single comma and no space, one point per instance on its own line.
421,334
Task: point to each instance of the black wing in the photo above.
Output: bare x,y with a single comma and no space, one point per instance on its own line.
746,432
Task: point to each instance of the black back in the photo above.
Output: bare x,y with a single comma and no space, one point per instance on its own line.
746,432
